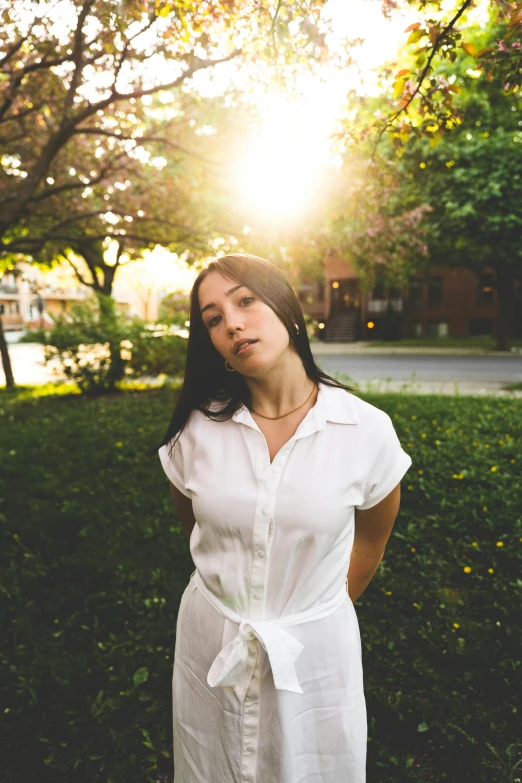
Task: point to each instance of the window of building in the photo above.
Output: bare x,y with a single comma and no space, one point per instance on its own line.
417,329
2,309
438,329
435,292
320,291
485,289
416,291
14,308
480,326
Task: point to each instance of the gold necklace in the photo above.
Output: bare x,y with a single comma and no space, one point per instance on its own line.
284,414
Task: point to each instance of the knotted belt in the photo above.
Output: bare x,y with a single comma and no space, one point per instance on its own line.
231,667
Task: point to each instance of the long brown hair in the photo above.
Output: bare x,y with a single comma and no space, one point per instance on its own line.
206,377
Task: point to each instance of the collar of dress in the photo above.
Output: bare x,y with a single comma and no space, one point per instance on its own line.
333,404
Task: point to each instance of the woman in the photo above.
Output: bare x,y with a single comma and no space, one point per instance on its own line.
287,487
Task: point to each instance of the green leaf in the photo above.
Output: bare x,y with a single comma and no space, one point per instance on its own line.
422,727
140,676
398,88
415,36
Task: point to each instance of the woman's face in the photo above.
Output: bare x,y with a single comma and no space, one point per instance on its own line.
230,312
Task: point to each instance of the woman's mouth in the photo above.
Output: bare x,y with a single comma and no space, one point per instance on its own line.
246,347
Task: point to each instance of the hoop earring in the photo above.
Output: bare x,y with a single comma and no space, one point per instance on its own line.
297,328
230,369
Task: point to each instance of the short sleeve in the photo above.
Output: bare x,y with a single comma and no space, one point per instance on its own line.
390,463
177,461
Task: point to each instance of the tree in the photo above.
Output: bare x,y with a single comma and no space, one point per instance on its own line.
76,71
421,100
146,197
472,178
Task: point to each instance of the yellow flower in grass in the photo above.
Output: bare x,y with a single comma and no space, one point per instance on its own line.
424,435
413,417
484,508
456,625
475,543
476,443
410,486
494,469
512,461
458,475
491,571
119,444
420,472
467,570
413,549
500,543
388,592
437,442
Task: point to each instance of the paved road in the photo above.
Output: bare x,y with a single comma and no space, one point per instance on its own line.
428,374
472,374
479,369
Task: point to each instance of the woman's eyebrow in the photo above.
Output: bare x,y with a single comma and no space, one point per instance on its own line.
227,293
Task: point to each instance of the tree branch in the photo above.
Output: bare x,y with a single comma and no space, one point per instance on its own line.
140,139
436,46
77,55
77,272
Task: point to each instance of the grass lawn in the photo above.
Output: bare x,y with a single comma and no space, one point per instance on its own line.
94,564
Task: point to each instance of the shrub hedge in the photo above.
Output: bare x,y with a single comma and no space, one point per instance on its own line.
94,564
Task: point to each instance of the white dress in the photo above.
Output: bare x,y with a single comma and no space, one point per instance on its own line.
268,680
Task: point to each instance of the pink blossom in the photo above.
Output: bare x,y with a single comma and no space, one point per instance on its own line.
516,45
501,46
507,86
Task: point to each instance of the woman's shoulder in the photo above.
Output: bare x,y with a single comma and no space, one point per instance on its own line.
361,411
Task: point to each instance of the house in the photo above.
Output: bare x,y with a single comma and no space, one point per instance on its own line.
10,309
30,297
446,303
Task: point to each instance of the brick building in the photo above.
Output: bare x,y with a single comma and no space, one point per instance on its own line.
448,303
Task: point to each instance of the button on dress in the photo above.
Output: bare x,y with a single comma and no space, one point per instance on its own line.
268,680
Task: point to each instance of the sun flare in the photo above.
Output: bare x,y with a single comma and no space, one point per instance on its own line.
279,171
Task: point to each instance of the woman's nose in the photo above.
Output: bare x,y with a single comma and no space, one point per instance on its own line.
233,322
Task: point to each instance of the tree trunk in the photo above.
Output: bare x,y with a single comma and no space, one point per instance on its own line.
6,361
505,294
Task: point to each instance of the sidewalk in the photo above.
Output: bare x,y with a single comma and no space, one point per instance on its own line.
321,348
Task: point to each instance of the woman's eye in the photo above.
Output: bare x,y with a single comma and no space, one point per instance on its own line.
212,321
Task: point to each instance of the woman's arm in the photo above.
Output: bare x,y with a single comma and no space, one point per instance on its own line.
372,531
183,506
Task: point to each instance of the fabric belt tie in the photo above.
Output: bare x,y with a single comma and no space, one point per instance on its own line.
233,667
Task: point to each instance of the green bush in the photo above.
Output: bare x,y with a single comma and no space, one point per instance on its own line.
85,345
33,336
97,348
156,354
175,308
